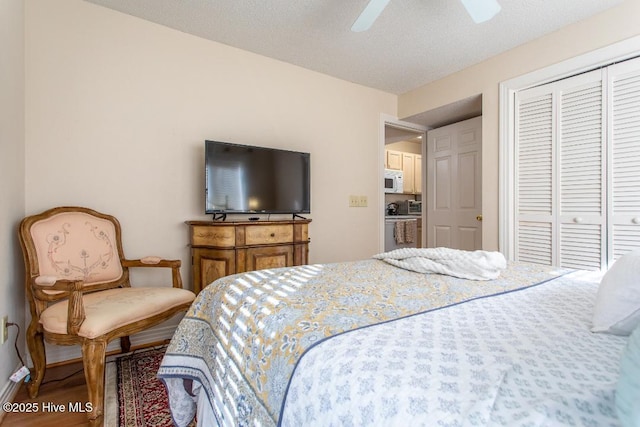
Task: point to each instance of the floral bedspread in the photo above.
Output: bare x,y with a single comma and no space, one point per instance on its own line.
245,334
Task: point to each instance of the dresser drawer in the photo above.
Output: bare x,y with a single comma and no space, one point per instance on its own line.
220,236
268,234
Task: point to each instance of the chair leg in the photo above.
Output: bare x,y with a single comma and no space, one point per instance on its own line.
35,342
93,357
125,344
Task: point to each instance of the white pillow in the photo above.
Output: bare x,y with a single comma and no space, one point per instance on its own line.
617,307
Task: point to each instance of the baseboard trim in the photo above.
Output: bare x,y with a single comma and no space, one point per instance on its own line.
9,391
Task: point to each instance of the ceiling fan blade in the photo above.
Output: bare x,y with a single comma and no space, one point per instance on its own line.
369,15
481,10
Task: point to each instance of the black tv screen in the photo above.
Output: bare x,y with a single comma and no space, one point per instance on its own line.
248,179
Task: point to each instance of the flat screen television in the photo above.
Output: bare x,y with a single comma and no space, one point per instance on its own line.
243,179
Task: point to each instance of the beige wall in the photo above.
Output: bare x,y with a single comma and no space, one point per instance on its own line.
12,174
118,110
614,25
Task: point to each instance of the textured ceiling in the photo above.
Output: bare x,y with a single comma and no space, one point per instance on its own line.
412,43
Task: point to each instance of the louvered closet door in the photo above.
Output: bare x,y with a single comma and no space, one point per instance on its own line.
534,176
624,152
581,178
560,181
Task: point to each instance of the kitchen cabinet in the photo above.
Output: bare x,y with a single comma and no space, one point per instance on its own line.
412,171
393,159
411,166
408,172
417,171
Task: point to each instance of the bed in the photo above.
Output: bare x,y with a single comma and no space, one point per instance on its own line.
368,343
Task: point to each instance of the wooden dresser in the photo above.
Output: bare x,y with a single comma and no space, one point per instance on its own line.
220,248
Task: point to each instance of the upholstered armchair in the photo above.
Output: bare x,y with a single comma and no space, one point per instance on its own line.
77,284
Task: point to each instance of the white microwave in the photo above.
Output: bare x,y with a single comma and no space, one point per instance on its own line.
393,181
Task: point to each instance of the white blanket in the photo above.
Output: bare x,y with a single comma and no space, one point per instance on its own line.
473,265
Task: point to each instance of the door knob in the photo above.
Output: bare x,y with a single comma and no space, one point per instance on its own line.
479,218
636,220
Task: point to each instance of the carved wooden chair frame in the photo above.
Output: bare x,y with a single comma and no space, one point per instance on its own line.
42,293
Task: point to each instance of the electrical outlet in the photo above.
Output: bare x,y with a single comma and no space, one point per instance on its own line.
4,333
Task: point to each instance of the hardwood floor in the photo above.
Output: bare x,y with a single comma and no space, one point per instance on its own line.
61,385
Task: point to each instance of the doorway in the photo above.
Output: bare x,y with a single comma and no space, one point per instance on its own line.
458,111
401,150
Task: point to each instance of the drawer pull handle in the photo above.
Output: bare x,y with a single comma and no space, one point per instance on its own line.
273,234
636,220
578,220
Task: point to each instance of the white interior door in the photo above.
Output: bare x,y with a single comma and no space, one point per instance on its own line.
534,190
560,156
624,153
580,172
454,186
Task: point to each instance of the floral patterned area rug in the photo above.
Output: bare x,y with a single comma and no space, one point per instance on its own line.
134,396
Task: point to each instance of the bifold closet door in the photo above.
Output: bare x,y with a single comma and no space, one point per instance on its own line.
534,190
577,168
581,172
624,152
560,177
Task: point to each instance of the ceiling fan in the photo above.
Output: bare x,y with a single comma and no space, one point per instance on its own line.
479,10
